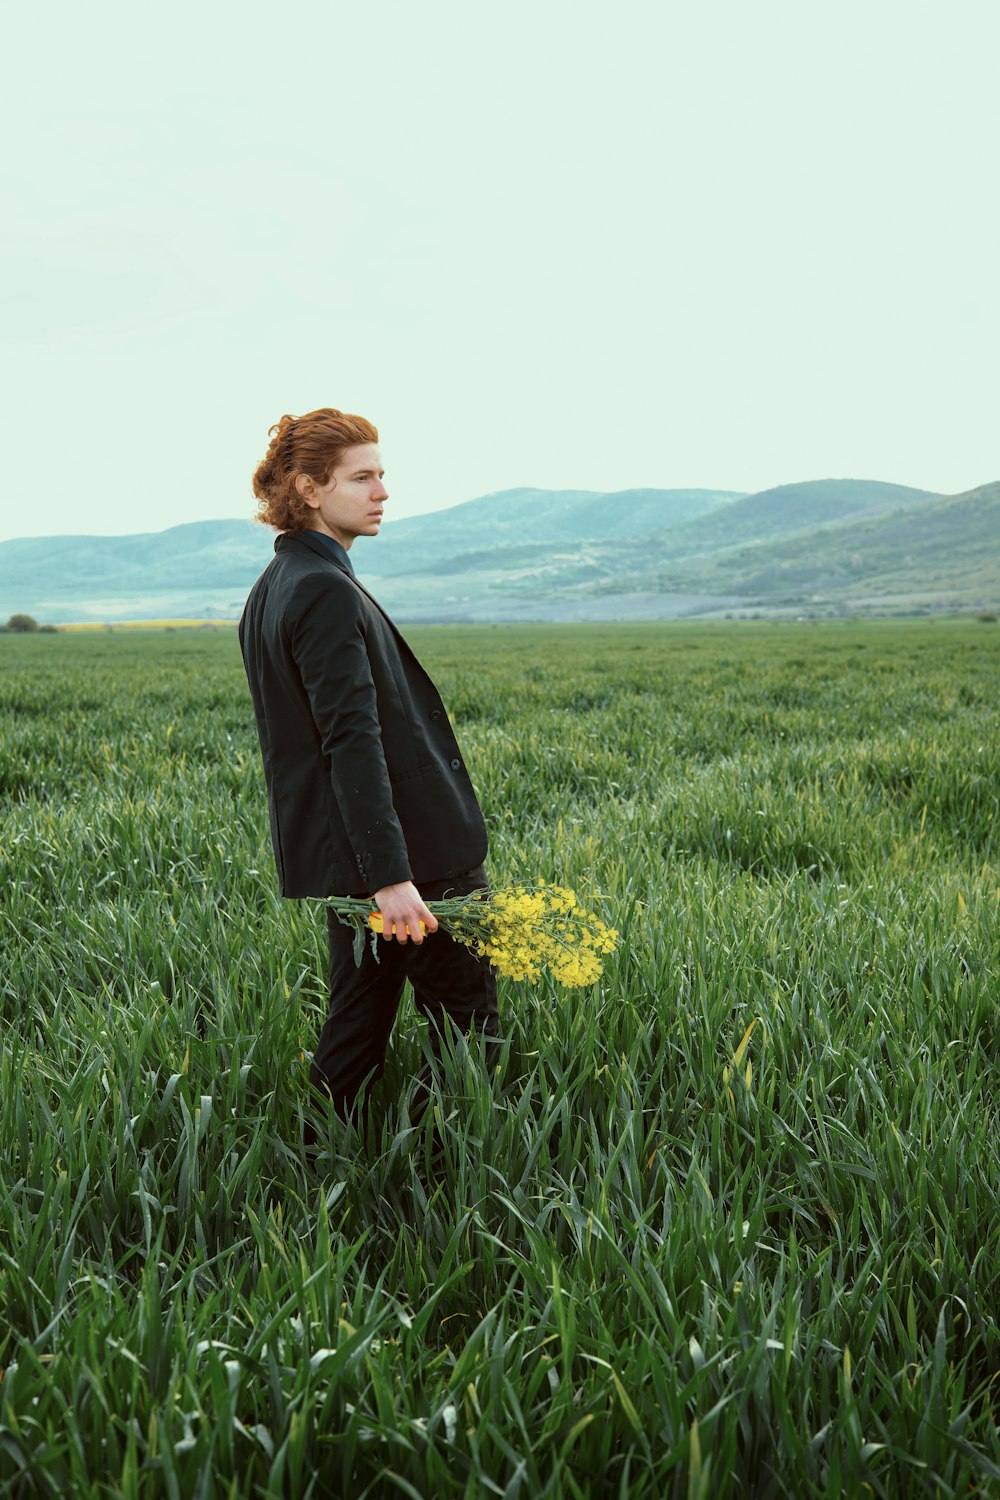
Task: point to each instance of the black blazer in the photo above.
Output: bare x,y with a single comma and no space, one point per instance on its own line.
365,780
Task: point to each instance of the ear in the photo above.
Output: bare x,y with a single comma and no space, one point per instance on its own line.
305,488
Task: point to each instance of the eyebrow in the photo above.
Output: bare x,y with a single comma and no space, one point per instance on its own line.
360,473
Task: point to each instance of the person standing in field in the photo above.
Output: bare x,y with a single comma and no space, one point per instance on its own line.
367,788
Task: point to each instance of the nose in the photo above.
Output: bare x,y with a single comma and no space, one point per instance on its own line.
381,493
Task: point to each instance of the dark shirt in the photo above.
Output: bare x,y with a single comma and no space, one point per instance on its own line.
336,551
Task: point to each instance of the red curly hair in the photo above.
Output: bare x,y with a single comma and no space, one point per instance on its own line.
309,445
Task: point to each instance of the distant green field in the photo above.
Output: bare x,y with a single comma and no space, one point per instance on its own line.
726,1225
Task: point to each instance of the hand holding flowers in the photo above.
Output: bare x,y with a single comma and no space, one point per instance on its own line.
520,930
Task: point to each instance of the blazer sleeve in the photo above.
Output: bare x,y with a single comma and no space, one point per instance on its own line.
328,644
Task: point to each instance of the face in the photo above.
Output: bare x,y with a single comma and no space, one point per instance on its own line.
350,503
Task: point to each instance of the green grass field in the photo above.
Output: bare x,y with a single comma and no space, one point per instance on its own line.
725,1225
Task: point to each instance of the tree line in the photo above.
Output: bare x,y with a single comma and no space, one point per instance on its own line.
23,625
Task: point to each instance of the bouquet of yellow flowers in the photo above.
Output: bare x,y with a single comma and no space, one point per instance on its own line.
519,929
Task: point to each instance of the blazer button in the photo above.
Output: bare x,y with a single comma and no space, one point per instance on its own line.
435,713
456,765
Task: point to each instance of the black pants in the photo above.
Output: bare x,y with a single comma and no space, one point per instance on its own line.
447,979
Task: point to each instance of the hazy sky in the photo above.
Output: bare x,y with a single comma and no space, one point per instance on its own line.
549,242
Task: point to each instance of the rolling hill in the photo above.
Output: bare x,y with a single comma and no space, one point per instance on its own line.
820,547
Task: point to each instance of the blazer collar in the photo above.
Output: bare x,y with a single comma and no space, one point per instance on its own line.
293,540
296,539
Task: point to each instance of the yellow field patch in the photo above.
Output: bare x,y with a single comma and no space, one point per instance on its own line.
150,625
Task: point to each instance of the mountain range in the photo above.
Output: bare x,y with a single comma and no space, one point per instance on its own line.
832,546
